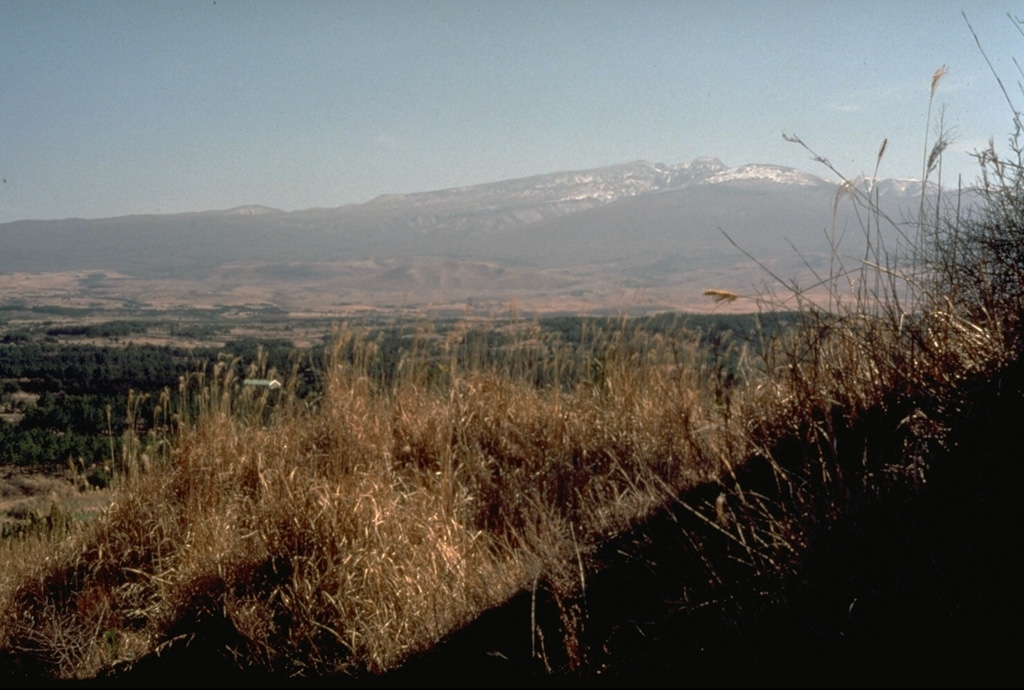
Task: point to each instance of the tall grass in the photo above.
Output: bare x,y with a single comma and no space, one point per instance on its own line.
341,535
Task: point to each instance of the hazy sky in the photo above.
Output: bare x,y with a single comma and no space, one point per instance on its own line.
112,108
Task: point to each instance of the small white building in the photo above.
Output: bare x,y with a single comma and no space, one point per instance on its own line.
272,384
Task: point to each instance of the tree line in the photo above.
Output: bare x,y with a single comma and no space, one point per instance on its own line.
80,409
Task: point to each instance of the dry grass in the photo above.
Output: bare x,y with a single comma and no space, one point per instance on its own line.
342,536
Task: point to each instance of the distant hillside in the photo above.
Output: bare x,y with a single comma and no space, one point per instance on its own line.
635,212
568,235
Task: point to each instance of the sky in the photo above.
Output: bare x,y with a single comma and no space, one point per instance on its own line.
112,108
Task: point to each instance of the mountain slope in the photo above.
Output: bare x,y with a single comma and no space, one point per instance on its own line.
637,221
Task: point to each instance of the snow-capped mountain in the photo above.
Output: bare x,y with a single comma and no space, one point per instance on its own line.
769,173
595,186
588,188
636,213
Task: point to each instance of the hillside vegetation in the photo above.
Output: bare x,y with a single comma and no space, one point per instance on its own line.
832,497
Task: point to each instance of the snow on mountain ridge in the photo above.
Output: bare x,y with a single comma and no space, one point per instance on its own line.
599,185
581,189
903,187
771,173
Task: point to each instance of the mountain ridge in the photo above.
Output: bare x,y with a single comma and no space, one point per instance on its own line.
659,176
641,224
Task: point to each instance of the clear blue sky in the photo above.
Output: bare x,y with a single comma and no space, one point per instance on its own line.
112,108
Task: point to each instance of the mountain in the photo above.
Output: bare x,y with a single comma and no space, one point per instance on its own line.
637,223
769,173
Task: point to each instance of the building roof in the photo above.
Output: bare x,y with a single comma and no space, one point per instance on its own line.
272,384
